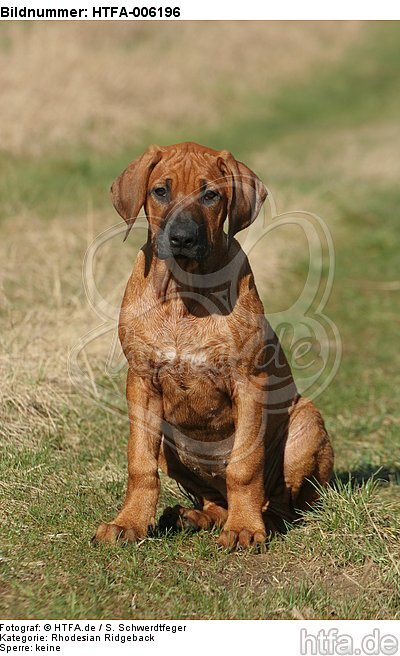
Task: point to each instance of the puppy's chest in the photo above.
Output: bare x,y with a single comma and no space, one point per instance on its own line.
196,390
187,356
189,362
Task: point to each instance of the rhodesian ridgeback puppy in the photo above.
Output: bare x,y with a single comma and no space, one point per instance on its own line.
210,394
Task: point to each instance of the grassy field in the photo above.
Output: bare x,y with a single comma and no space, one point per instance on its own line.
321,128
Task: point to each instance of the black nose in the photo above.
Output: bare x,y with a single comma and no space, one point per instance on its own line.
183,234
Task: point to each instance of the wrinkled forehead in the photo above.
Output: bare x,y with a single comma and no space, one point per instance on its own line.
186,171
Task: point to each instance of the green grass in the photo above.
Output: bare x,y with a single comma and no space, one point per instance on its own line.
364,397
348,544
343,560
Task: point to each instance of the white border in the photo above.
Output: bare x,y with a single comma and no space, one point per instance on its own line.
223,10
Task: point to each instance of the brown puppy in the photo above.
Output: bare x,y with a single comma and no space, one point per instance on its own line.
210,394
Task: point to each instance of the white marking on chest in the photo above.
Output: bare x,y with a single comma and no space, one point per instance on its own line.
194,358
168,355
199,358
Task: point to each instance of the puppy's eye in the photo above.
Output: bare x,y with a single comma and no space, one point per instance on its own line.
161,192
210,196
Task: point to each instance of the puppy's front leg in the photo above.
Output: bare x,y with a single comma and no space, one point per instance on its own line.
245,474
139,509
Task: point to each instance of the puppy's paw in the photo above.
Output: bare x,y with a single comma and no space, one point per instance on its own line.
112,533
242,538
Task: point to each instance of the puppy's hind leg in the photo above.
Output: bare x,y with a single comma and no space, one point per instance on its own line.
308,455
307,461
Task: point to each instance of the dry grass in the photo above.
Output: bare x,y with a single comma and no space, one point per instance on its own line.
366,153
43,313
369,153
105,84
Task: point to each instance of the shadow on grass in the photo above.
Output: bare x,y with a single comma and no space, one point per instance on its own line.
360,476
367,477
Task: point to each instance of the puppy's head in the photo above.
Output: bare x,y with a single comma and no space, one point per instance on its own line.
187,192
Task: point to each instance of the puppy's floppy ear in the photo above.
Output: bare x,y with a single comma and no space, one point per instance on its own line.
128,191
246,192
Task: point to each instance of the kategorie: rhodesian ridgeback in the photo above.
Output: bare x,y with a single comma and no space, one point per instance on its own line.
211,397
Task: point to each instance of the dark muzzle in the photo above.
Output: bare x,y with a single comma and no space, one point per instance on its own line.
182,237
